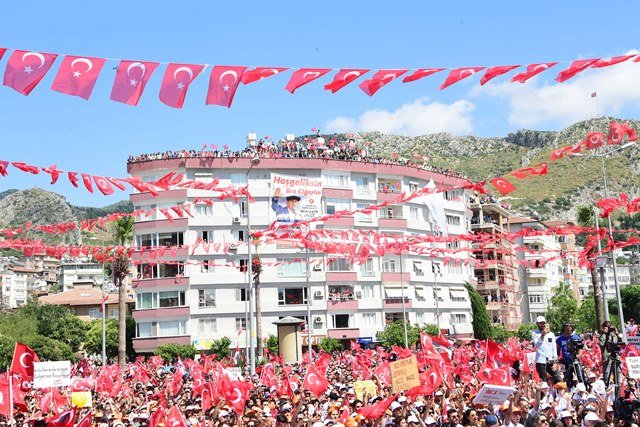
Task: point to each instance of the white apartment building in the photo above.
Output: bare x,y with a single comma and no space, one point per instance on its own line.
206,301
624,279
17,284
79,273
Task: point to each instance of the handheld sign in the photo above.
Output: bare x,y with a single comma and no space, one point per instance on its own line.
404,374
51,374
491,394
633,364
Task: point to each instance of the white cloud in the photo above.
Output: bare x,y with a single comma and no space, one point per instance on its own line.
416,118
533,103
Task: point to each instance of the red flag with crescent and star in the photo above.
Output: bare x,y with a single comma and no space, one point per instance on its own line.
260,73
304,76
103,185
86,421
26,69
174,418
315,381
131,79
459,74
375,411
223,83
607,62
344,77
2,51
23,358
176,81
380,79
5,401
503,185
235,393
576,67
494,72
532,70
65,419
539,169
78,75
420,73
593,140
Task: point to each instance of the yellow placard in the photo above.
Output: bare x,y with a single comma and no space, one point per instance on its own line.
368,386
404,374
81,399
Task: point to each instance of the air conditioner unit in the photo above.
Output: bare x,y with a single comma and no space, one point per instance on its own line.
317,268
368,273
318,294
318,319
358,294
236,220
233,247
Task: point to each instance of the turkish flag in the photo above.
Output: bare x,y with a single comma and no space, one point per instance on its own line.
495,376
116,183
616,133
420,73
375,411
157,417
315,381
26,168
73,178
379,79
174,418
429,382
493,72
260,73
344,77
131,79
593,140
268,375
176,81
5,401
502,185
3,167
54,172
303,76
23,358
235,393
540,169
103,185
559,153
86,421
65,419
576,67
223,83
607,62
383,373
86,179
532,70
78,75
25,69
2,51
459,74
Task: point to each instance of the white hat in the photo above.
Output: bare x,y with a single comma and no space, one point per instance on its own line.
223,413
439,393
591,416
395,405
402,399
317,424
544,385
329,421
286,407
430,420
565,414
581,388
541,319
413,419
544,406
418,404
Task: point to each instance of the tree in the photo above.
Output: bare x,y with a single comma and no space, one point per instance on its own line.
562,308
330,345
630,296
524,330
221,348
481,323
430,329
586,315
272,344
50,349
393,334
7,346
256,270
585,218
500,334
170,352
93,344
122,233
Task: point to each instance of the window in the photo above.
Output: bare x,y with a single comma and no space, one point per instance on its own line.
170,270
414,213
457,318
340,264
366,268
243,265
241,235
453,244
243,208
146,300
205,235
207,327
389,265
437,293
458,295
113,313
172,327
453,220
536,299
207,266
367,291
453,195
362,185
242,294
335,205
413,187
241,324
292,296
95,313
238,179
393,317
420,318
206,177
147,329
206,297
369,319
292,269
204,210
170,239
171,299
340,181
417,268
341,320
454,269
361,216
146,240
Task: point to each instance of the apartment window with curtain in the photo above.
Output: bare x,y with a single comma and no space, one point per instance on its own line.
340,264
292,269
390,265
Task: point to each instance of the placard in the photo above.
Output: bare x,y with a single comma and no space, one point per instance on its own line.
634,340
368,386
81,399
633,364
51,374
491,394
404,374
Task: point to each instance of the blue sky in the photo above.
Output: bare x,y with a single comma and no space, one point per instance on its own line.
96,136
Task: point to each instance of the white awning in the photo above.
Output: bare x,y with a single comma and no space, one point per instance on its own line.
458,293
393,292
421,291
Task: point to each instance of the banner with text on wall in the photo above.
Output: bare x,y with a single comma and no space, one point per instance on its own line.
295,199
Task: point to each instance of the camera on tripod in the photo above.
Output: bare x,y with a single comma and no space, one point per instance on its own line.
612,347
574,345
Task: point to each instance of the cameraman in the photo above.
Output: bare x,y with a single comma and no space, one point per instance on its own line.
569,349
609,341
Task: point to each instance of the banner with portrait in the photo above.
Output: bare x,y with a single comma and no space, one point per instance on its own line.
295,199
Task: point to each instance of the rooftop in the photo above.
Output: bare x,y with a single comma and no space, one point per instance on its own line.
75,297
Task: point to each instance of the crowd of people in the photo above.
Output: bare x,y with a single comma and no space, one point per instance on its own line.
353,388
306,148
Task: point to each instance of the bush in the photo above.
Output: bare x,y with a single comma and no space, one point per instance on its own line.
50,349
524,331
6,350
221,348
393,334
170,352
500,334
331,345
431,329
272,344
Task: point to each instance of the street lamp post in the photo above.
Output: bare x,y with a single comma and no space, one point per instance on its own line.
613,258
252,351
404,309
104,322
309,320
435,268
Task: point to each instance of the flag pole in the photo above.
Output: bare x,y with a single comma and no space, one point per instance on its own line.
11,420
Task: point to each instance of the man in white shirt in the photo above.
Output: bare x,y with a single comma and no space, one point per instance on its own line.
546,352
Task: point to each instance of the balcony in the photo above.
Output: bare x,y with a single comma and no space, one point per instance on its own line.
389,196
344,333
396,303
392,223
149,344
157,313
337,193
539,273
342,304
159,282
180,252
395,277
161,223
180,194
345,221
342,276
